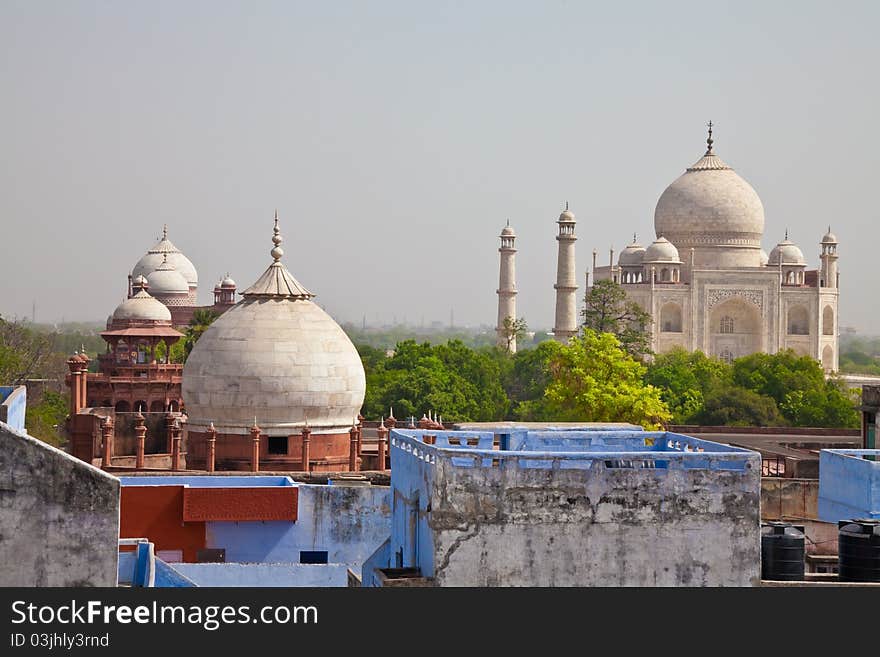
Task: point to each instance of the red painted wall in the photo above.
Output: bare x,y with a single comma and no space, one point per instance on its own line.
275,503
156,513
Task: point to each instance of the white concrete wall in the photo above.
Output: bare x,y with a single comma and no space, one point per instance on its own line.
59,517
265,574
620,527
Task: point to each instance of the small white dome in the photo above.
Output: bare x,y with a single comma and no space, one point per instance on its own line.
829,237
166,280
227,282
661,250
153,259
788,253
142,307
508,231
567,216
633,254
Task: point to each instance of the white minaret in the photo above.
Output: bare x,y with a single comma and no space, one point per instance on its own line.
829,260
506,286
566,283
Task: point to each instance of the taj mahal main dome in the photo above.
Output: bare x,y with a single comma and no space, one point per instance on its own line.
711,209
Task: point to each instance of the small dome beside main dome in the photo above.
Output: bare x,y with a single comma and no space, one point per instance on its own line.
165,280
786,253
632,255
661,250
142,307
164,251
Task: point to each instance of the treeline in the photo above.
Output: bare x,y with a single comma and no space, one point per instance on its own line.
29,353
595,378
860,355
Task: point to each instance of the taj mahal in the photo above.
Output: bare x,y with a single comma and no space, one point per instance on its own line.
705,280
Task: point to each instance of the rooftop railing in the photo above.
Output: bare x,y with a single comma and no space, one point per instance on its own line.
609,450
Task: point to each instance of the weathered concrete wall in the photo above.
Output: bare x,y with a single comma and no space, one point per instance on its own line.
59,517
13,406
264,574
349,522
783,498
620,527
590,509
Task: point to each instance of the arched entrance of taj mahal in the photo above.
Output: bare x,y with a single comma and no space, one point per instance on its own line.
735,329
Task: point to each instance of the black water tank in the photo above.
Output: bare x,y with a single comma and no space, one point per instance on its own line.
782,551
858,550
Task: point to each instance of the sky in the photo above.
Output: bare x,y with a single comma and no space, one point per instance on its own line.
396,139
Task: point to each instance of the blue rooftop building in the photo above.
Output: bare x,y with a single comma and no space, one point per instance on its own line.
520,507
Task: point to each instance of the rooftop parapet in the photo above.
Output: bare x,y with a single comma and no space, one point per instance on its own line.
570,449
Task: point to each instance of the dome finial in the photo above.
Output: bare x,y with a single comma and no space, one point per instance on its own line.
635,239
786,234
277,251
164,231
566,205
709,141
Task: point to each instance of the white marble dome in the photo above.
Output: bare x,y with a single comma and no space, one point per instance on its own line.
508,231
829,237
142,307
661,250
567,216
163,249
632,255
788,253
710,205
166,281
276,357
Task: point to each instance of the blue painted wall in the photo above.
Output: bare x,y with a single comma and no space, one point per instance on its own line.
348,522
849,485
13,406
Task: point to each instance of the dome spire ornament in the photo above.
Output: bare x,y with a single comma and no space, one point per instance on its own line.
277,252
276,282
710,141
164,231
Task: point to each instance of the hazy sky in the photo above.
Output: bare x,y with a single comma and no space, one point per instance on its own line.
396,138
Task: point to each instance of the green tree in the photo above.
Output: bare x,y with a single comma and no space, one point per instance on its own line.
684,379
24,353
199,323
593,378
526,379
45,419
460,383
731,405
799,387
514,330
607,310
